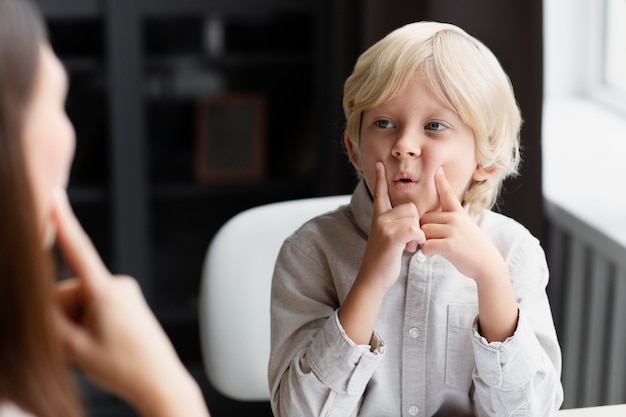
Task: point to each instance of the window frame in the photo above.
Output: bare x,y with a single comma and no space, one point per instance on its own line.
584,122
602,90
575,51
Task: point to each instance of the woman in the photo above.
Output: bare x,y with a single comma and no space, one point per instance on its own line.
97,322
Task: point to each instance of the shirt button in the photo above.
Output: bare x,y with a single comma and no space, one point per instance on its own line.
420,256
413,410
414,332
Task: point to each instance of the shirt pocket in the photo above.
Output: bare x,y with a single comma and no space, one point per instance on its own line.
460,360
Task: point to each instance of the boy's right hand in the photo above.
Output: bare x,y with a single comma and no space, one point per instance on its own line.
393,230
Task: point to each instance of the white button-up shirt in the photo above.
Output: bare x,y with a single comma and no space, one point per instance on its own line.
427,357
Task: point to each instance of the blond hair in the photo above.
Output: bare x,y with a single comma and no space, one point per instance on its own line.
464,74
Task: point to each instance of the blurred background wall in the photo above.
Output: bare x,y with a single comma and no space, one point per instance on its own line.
190,111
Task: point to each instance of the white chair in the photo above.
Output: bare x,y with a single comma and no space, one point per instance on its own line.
234,302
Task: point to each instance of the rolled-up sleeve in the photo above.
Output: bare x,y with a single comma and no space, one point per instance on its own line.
521,376
339,363
315,369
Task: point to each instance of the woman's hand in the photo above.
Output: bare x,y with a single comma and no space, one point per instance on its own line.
110,333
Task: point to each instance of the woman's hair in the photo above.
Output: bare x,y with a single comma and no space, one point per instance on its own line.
464,74
33,372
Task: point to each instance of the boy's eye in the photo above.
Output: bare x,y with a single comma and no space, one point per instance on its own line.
384,124
434,126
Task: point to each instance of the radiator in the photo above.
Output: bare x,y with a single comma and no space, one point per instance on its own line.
588,294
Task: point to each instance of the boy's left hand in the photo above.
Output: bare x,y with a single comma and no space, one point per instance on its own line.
453,234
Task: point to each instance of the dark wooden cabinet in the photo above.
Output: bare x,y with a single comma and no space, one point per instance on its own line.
140,71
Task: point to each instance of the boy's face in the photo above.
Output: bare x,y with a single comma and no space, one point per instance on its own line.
412,135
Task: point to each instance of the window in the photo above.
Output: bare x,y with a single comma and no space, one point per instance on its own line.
584,111
615,46
585,50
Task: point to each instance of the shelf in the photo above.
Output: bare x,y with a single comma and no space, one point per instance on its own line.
87,195
69,9
239,7
139,69
231,60
78,65
265,190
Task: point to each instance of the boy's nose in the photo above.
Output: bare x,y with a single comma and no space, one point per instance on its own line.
406,146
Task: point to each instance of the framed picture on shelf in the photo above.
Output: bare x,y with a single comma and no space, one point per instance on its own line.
230,140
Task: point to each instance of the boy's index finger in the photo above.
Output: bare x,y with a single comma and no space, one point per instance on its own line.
76,247
447,198
382,202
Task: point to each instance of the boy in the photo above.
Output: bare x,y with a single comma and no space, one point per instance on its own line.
417,299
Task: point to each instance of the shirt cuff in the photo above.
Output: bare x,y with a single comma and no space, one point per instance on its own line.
341,364
509,364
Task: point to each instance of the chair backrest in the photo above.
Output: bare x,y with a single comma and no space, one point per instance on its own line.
234,304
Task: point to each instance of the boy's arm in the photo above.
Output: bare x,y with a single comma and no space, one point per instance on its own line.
497,308
316,350
523,373
314,367
393,230
517,354
453,234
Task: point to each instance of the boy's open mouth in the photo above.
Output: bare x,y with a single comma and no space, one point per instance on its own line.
404,177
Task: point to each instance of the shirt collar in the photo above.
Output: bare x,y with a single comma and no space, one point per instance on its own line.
362,205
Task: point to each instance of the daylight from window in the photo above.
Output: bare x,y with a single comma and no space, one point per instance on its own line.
615,53
584,112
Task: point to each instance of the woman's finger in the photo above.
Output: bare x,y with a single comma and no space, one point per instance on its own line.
70,298
76,247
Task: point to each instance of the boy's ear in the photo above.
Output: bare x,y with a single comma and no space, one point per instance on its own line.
354,159
483,173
